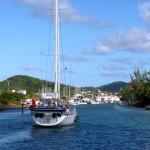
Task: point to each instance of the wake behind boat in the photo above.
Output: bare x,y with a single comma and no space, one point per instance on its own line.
51,111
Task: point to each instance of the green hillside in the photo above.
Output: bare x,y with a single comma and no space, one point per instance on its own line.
30,84
113,87
34,85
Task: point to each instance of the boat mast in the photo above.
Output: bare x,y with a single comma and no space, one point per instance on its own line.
57,54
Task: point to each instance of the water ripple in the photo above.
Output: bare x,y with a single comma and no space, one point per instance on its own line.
100,128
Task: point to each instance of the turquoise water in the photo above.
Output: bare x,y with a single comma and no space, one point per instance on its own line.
100,127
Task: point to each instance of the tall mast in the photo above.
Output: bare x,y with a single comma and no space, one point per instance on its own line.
57,54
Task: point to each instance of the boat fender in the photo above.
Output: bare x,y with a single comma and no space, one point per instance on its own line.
36,115
76,118
58,114
41,115
54,115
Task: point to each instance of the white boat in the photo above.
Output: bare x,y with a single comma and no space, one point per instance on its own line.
75,101
51,111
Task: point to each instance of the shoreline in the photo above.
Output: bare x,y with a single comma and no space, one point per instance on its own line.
3,108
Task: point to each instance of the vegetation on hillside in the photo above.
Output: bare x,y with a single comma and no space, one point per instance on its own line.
30,84
112,87
33,87
10,99
137,92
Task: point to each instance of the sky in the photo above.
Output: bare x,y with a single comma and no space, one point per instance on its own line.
101,41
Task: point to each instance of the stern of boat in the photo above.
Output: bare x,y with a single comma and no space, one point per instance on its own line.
46,118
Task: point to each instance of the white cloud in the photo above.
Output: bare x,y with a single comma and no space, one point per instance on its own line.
144,10
134,40
115,75
99,49
110,66
36,2
42,8
123,64
75,59
122,60
30,68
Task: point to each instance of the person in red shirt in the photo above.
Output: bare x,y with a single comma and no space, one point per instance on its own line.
33,102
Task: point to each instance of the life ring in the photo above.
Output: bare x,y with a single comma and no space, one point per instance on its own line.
36,115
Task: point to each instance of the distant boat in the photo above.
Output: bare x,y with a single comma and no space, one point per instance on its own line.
50,110
79,101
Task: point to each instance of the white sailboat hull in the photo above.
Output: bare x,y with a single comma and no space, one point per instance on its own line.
69,120
52,118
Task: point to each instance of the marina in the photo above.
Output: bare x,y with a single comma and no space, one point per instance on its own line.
101,126
75,75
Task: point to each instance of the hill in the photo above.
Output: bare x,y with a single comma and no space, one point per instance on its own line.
112,87
33,85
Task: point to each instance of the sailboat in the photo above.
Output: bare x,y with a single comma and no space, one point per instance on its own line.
51,111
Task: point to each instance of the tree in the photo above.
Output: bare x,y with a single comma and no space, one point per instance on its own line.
138,89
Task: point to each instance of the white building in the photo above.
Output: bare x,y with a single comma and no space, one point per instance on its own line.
21,91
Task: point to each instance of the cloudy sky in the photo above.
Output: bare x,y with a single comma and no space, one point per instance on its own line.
102,41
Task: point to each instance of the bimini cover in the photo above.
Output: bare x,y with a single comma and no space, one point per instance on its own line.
48,95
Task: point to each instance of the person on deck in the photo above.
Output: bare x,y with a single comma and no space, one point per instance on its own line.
67,107
33,102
